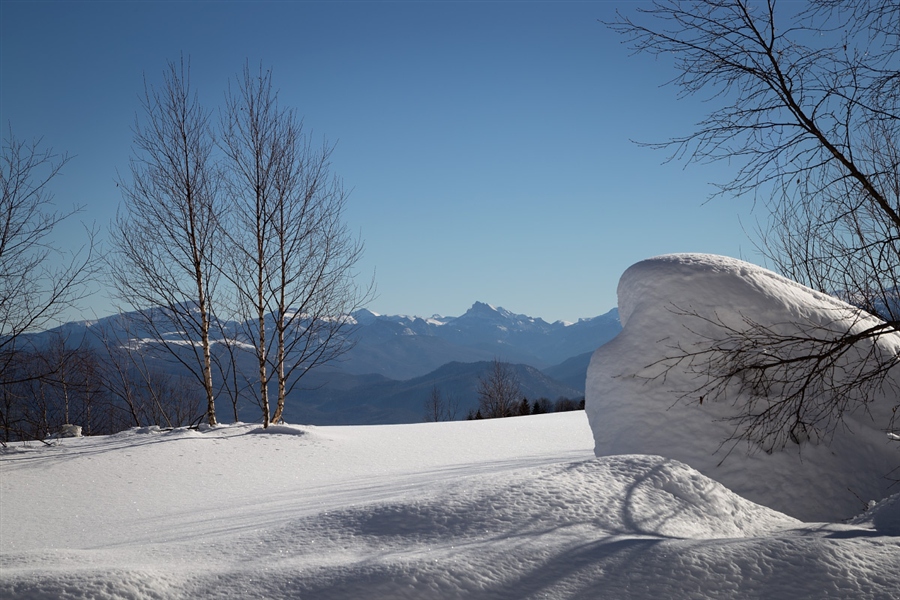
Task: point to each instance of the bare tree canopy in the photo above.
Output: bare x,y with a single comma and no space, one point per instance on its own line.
38,280
243,222
498,391
291,256
805,104
165,237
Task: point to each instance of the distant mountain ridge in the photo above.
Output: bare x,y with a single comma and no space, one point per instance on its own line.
403,347
396,361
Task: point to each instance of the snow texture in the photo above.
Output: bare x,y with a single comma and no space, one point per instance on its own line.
634,411
497,509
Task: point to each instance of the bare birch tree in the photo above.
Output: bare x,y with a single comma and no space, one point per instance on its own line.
166,237
293,256
806,104
39,281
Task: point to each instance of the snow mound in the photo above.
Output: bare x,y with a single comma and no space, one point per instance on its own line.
883,517
623,495
148,429
670,499
279,429
634,410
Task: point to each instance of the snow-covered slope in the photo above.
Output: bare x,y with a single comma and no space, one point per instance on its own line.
631,412
500,509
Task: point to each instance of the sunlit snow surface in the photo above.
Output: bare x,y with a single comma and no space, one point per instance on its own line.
633,412
507,508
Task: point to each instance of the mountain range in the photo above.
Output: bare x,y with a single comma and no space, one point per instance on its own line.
402,347
397,360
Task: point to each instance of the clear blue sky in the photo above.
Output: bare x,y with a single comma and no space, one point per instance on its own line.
487,144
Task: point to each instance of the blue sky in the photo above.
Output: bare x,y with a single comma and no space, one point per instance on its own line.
487,144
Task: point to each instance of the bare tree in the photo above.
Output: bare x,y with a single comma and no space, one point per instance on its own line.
498,391
451,402
234,383
166,238
293,256
68,372
89,394
806,105
141,392
440,407
434,406
56,383
39,281
73,391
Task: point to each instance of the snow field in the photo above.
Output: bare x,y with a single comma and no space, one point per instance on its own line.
506,508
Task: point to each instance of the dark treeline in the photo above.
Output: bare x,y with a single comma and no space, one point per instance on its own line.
499,395
538,407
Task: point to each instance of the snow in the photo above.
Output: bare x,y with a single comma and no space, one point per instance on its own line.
504,508
631,412
883,517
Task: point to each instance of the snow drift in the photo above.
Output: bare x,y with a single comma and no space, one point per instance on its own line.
681,300
496,509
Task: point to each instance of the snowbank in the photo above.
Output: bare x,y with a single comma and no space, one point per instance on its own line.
632,411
